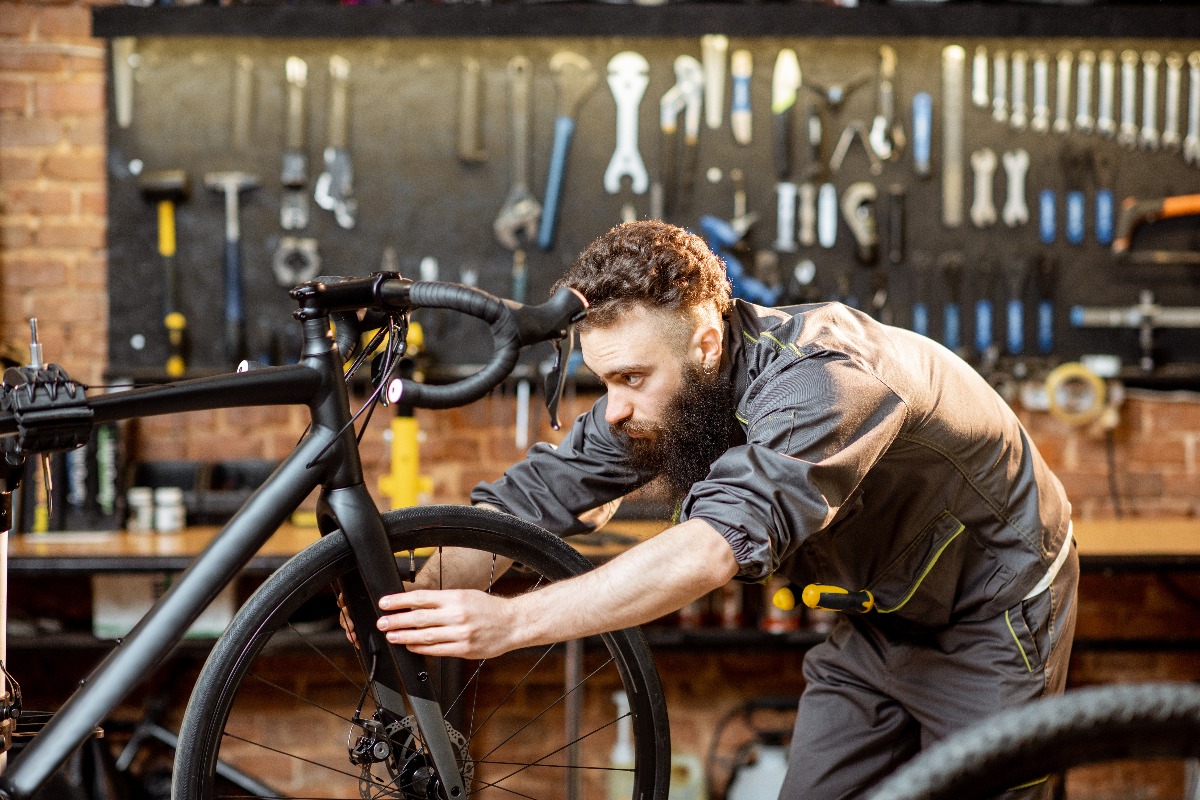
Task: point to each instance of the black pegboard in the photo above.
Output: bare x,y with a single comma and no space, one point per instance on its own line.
416,197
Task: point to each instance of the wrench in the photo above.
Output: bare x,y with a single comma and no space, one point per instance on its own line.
1148,139
858,207
979,76
713,49
293,205
469,147
1018,118
953,57
521,210
1105,122
1039,121
1191,143
887,136
1170,134
1000,86
574,78
1062,94
1016,165
628,77
334,190
1084,123
1127,134
983,210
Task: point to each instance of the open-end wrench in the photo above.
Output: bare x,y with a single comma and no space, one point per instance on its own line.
953,58
1084,122
858,207
979,78
1016,165
334,190
1106,123
1128,132
983,209
293,205
1148,137
673,188
1062,93
574,77
887,135
1039,119
714,48
1000,86
628,77
1019,115
521,211
1191,142
469,147
1171,137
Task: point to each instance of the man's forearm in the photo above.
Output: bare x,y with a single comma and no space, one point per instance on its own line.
648,581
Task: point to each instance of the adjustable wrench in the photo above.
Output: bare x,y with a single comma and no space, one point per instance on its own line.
1191,142
887,135
1039,121
628,77
983,210
521,211
293,205
1148,138
1170,134
1018,117
1016,165
1105,122
1128,132
335,186
1084,122
574,78
1062,94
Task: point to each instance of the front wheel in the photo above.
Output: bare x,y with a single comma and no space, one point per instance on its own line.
279,708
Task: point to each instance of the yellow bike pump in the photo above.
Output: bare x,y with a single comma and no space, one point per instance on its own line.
404,483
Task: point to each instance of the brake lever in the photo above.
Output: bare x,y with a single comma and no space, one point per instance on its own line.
556,377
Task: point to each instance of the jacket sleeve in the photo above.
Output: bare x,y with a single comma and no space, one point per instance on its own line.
812,436
561,487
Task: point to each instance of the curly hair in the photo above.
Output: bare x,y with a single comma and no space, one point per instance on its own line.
648,263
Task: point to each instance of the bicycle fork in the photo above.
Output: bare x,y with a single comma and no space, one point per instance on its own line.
405,675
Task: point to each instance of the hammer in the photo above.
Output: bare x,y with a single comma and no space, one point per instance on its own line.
168,188
232,184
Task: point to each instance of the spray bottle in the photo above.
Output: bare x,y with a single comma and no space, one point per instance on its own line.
621,761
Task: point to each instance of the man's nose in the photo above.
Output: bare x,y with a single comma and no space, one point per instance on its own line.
618,409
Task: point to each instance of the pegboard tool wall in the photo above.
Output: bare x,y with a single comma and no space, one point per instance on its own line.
415,196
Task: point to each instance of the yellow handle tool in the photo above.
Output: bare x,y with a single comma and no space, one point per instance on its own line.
835,598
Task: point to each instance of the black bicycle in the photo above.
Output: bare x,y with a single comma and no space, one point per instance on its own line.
378,721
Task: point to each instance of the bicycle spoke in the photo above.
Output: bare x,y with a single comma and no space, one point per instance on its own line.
560,749
324,656
290,756
302,699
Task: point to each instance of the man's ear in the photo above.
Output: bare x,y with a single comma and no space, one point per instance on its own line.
708,341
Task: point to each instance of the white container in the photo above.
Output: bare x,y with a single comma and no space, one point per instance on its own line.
169,516
140,500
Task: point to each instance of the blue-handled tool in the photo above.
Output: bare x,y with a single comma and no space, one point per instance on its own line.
922,107
574,78
722,238
231,184
1047,216
951,267
1046,277
1016,274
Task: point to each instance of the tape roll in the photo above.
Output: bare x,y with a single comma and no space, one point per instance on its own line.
1075,394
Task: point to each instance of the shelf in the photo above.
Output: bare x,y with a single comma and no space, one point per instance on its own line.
676,20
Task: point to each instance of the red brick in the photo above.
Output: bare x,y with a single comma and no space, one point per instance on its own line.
15,235
74,21
16,19
33,273
91,275
69,98
66,234
87,166
19,167
29,131
93,202
86,131
1174,417
14,96
15,58
38,200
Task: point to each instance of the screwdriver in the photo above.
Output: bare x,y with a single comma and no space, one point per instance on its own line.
830,598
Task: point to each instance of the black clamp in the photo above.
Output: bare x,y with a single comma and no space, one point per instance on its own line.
51,409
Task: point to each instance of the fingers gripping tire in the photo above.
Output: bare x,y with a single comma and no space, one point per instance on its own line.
506,715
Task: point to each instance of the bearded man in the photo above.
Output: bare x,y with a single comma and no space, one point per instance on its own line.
814,442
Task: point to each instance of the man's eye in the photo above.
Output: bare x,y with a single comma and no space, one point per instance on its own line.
632,380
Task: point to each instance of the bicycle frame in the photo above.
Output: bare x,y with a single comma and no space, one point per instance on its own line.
327,457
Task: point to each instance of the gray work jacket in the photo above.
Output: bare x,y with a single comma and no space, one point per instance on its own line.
865,456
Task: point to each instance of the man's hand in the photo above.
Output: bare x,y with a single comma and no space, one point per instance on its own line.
462,623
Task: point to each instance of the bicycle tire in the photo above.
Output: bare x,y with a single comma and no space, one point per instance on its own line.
234,679
1082,726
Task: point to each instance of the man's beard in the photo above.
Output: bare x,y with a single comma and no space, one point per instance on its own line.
692,434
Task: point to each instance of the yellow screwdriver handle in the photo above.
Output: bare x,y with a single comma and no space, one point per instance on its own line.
835,598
